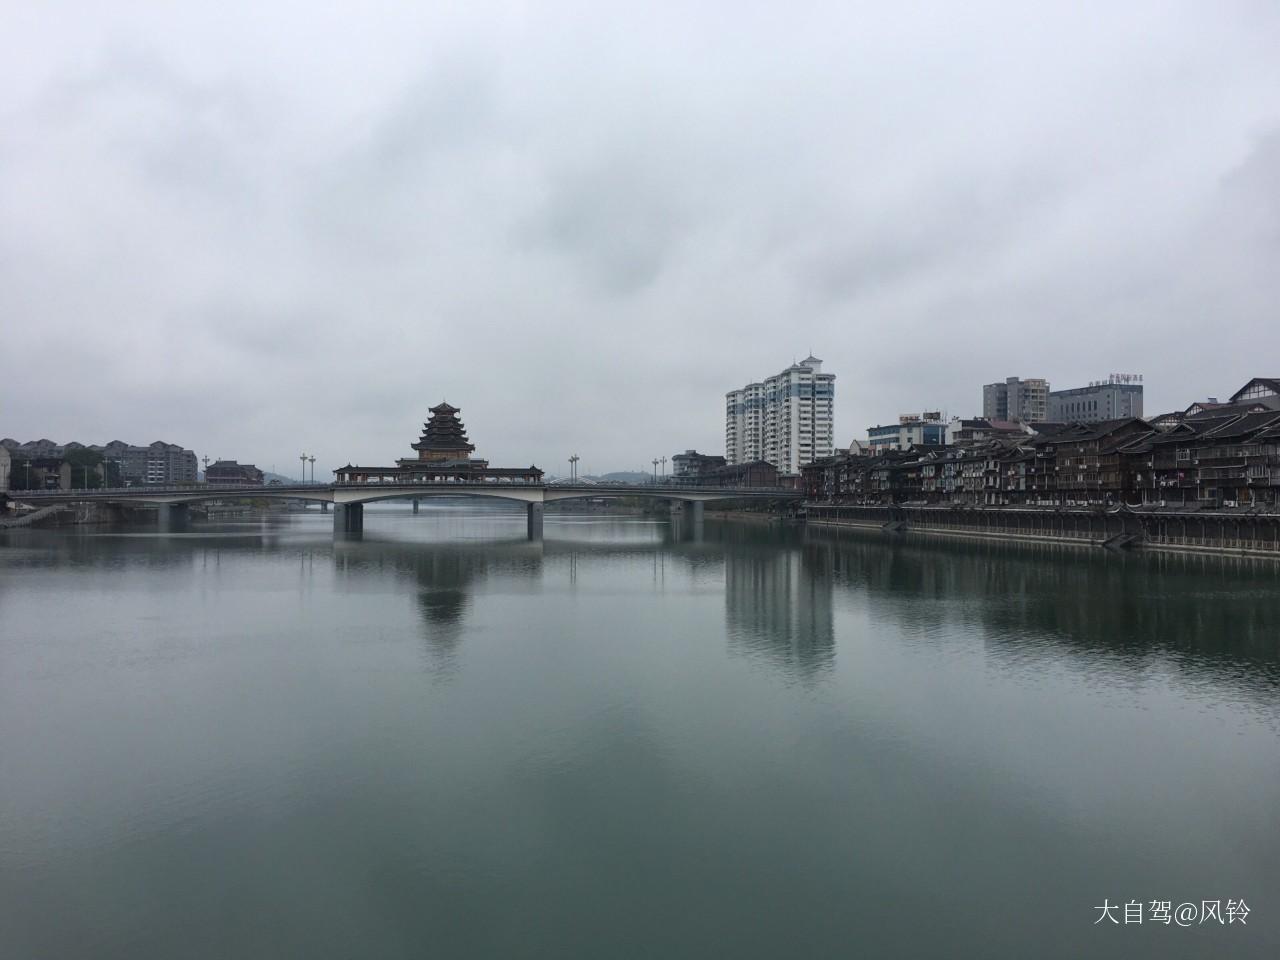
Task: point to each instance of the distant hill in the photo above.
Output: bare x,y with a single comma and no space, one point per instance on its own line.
624,476
618,476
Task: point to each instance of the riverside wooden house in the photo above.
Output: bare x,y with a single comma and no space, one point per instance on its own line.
1219,455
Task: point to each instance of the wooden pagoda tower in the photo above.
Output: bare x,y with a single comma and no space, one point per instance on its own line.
444,438
444,456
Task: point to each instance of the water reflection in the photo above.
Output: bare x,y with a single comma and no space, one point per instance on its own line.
255,710
778,598
444,576
1206,617
1193,613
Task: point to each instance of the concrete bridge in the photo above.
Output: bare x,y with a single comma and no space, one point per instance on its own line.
348,500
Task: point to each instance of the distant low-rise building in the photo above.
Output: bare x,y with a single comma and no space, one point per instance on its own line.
691,463
231,472
911,430
758,473
971,431
6,460
159,463
47,473
1116,398
1016,399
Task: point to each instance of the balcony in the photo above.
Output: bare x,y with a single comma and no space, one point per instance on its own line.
1234,472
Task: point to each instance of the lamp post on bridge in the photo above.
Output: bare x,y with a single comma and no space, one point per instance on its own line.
573,467
312,460
664,467
303,458
655,470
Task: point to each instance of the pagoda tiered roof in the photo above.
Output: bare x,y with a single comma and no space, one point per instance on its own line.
444,456
444,431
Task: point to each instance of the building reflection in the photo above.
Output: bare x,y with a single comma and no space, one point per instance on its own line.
1132,608
445,575
778,599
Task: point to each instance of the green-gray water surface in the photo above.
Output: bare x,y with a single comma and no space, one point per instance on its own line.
441,740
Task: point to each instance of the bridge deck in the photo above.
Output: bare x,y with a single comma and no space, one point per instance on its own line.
363,493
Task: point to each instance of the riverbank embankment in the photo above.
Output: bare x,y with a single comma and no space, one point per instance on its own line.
1246,534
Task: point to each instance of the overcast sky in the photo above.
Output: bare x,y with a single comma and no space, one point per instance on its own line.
258,229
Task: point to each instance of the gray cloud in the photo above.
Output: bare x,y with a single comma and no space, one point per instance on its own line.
254,231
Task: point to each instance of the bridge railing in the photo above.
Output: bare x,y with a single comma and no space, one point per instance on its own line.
215,488
149,489
676,488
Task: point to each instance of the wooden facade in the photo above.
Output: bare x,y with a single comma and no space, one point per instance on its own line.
1203,460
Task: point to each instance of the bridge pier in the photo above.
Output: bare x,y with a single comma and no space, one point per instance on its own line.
324,506
535,521
348,518
688,519
415,506
172,516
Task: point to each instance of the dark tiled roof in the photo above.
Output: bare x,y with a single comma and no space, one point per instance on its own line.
1049,428
1272,382
1245,425
1222,409
443,431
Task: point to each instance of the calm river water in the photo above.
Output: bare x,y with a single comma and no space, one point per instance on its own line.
250,741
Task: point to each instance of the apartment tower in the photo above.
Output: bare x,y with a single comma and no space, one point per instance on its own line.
784,420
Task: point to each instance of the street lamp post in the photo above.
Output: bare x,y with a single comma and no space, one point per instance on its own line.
655,469
303,458
312,461
573,467
664,467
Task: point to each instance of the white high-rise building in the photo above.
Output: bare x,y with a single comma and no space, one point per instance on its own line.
786,420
